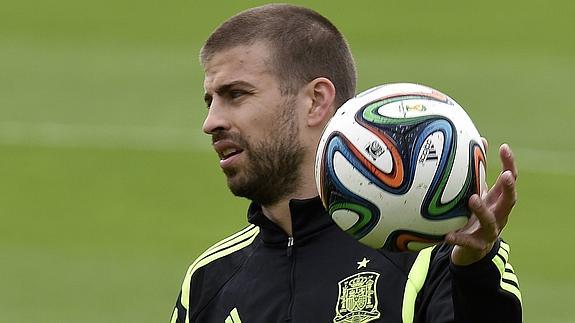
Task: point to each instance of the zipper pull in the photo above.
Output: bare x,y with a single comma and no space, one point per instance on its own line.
290,246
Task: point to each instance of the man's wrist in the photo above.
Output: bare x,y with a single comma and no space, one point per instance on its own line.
476,266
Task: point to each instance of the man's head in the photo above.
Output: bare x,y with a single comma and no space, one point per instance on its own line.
304,45
273,77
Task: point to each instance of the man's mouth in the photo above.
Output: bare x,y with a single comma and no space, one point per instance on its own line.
229,152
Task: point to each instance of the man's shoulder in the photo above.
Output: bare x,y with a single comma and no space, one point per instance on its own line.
214,266
231,246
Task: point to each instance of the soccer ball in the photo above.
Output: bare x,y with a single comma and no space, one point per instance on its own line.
396,165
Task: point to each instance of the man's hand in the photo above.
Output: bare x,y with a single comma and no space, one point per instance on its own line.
490,214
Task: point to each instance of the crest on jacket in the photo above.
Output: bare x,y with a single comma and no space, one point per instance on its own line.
357,300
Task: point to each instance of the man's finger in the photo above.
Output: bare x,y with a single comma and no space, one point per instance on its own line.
487,219
507,199
463,240
494,192
507,159
485,144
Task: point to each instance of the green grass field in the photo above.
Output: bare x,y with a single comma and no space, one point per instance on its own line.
108,190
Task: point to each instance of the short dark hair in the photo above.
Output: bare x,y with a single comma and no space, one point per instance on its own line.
304,45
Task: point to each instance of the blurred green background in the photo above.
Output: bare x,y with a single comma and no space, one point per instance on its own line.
108,189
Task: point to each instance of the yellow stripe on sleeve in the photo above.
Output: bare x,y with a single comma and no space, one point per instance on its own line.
502,265
499,264
219,250
511,277
415,281
512,289
230,238
174,316
503,253
505,246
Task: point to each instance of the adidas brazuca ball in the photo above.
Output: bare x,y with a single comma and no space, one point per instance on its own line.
397,164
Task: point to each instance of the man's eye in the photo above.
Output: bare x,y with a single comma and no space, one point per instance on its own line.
236,94
208,100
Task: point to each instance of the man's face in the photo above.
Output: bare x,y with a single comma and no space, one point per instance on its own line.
254,127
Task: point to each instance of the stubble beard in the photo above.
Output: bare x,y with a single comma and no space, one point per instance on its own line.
273,168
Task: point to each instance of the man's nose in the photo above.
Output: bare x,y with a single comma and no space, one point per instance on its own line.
217,119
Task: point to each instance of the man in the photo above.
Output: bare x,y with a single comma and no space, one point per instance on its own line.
274,76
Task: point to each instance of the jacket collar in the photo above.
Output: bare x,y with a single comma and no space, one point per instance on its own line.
308,217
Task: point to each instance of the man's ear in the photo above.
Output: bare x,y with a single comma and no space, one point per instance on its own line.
322,93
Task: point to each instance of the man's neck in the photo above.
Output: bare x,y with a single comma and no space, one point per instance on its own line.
279,212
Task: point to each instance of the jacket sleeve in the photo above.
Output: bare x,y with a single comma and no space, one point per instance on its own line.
196,293
486,291
210,271
184,303
179,314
